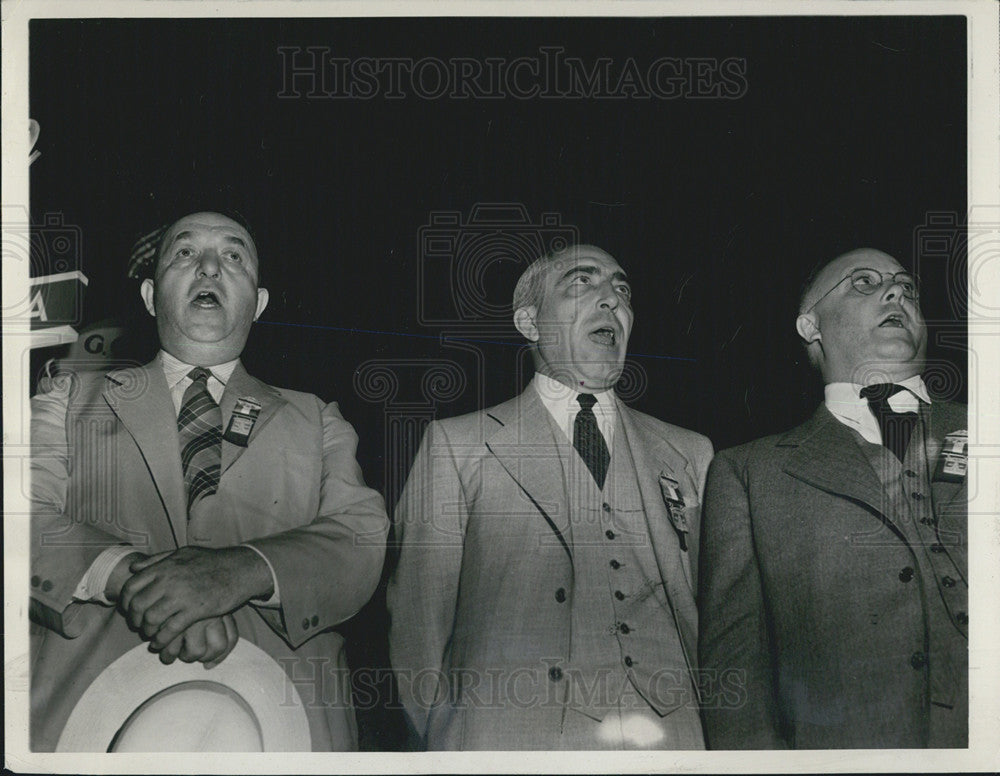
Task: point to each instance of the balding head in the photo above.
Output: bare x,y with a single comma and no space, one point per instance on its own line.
862,338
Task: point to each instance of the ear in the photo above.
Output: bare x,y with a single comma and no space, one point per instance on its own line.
262,297
524,322
146,292
808,328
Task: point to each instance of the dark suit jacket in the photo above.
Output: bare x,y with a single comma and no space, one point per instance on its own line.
806,629
486,543
106,470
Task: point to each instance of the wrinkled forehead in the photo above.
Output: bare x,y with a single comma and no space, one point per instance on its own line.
200,226
840,267
582,255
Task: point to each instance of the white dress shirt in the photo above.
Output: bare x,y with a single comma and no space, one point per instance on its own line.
846,404
95,581
560,401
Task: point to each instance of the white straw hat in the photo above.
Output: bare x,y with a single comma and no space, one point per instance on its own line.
246,703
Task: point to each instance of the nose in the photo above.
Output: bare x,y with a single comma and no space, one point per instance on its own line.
208,263
607,296
893,290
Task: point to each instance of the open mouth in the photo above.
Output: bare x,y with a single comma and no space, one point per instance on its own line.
605,336
206,299
893,320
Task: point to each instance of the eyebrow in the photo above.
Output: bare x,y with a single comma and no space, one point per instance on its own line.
590,269
229,238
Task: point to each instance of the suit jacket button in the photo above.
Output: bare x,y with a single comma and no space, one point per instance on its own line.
555,673
610,534
628,661
315,620
36,581
561,595
305,624
624,628
947,581
47,585
606,506
917,496
906,574
962,618
918,660
910,473
619,595
615,565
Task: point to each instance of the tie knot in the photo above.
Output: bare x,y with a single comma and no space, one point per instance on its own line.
587,400
199,374
880,391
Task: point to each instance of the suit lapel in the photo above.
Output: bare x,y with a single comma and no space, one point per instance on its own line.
243,386
525,447
829,458
140,399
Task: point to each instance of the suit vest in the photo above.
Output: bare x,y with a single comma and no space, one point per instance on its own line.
622,629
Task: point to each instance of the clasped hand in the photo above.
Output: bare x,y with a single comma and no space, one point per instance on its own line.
181,601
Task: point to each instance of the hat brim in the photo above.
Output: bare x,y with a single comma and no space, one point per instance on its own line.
138,675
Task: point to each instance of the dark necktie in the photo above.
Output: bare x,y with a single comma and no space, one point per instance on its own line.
199,427
896,427
588,440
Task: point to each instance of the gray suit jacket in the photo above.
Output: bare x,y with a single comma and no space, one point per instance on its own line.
106,470
478,631
806,629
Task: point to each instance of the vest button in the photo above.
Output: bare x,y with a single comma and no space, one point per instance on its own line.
615,565
947,581
606,506
962,618
561,595
628,661
610,534
910,473
937,548
619,595
918,660
555,673
624,628
906,574
917,496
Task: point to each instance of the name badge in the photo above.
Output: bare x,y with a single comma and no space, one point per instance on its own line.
954,461
241,423
672,497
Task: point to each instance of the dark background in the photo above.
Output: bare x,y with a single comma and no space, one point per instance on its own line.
851,132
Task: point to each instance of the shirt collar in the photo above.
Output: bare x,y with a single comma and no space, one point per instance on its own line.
561,401
844,399
176,370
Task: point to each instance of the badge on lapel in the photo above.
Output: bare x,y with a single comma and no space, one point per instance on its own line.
672,497
241,424
954,460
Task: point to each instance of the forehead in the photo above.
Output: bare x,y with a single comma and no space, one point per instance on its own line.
201,226
582,256
841,266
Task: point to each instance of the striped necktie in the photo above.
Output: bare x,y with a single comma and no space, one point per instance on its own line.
199,427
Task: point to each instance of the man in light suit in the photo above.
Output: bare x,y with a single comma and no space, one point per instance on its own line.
544,597
834,594
138,499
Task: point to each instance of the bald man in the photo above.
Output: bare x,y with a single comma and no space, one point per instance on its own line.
187,504
834,589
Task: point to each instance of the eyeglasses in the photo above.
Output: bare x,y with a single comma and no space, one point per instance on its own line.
869,281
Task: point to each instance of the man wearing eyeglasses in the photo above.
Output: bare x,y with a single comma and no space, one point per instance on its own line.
833,588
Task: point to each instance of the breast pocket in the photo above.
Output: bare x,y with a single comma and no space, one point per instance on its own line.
271,493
